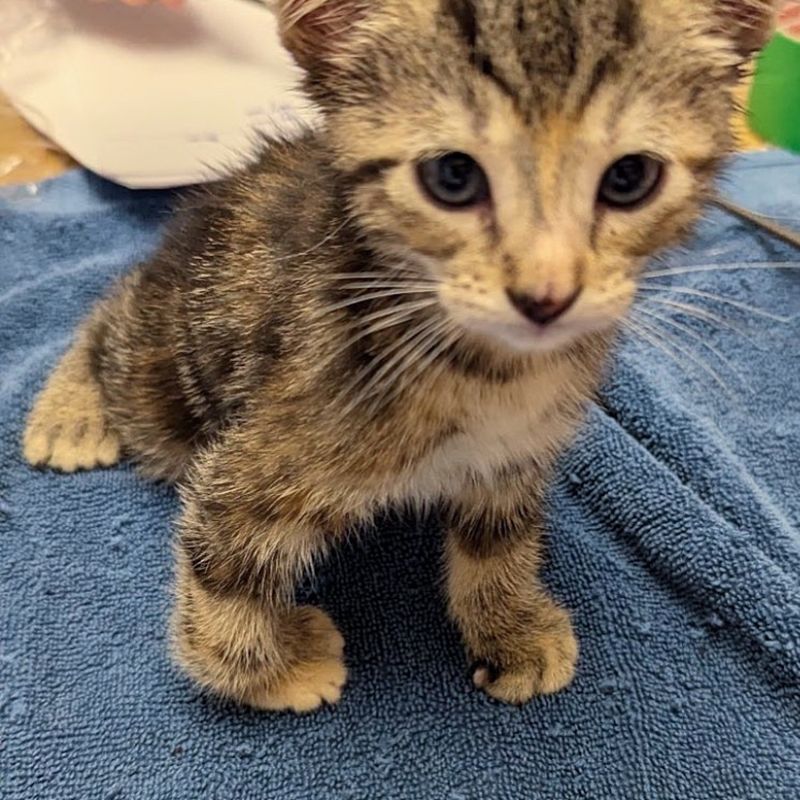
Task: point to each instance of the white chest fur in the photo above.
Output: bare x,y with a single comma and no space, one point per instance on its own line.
532,419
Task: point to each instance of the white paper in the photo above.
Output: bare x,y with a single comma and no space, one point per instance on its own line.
146,96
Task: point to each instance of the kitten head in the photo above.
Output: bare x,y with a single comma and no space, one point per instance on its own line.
526,155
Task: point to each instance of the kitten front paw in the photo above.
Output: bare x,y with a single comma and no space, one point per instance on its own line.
320,674
232,657
70,447
542,665
306,688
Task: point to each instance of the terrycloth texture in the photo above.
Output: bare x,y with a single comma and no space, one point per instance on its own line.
674,540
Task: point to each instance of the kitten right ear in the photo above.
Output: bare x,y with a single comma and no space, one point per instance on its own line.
750,21
317,32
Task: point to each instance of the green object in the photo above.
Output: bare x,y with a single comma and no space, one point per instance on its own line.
775,96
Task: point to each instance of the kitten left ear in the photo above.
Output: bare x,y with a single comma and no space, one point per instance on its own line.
317,31
751,22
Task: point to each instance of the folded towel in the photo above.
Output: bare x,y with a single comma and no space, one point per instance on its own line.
674,541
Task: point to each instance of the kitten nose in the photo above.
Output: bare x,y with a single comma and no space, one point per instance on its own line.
542,311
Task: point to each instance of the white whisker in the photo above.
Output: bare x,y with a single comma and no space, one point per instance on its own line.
386,312
382,320
666,290
330,235
702,268
631,325
410,352
420,357
428,359
700,313
398,350
699,362
389,274
453,335
424,287
697,337
365,298
412,305
788,235
394,272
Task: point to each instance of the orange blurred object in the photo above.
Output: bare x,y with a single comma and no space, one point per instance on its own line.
25,155
168,3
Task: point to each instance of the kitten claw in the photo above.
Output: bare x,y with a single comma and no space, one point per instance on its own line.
483,673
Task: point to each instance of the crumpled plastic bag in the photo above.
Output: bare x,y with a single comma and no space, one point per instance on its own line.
147,96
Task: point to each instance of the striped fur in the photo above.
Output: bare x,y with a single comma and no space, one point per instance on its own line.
316,341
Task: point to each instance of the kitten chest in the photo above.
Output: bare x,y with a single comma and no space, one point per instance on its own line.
530,423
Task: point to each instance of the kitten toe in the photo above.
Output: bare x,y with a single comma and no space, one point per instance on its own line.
307,687
36,446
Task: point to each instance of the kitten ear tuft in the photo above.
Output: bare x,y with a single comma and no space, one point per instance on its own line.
317,31
751,22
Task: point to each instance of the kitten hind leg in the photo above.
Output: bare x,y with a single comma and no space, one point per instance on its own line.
68,428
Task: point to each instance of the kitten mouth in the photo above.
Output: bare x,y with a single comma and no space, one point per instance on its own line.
544,338
502,326
523,336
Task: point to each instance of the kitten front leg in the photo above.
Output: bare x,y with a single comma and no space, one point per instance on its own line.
520,641
236,629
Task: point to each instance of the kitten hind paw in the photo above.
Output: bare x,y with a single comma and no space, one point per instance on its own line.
70,435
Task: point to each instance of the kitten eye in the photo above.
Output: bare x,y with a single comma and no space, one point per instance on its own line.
455,180
630,181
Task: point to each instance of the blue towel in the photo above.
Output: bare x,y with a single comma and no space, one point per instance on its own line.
674,541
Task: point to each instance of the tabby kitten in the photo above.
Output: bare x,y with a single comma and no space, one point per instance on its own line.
411,305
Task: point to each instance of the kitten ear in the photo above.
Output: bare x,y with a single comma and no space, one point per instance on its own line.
751,22
317,31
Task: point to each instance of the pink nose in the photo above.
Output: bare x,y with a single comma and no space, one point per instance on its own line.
542,311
